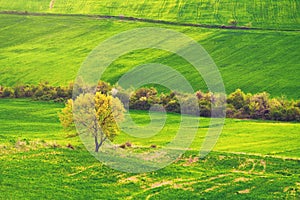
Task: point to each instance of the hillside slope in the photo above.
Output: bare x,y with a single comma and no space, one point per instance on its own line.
52,49
258,13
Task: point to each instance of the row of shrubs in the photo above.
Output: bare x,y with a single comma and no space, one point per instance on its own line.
42,91
45,92
261,106
238,104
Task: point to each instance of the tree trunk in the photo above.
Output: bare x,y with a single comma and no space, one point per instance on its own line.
96,144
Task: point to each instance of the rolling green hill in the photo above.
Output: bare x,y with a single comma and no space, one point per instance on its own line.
252,159
52,48
259,13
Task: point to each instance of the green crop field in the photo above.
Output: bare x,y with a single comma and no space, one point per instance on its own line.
35,160
48,40
259,13
53,49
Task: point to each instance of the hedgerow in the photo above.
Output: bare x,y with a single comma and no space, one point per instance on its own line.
238,104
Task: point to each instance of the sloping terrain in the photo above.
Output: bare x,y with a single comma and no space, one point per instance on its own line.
275,14
52,48
47,40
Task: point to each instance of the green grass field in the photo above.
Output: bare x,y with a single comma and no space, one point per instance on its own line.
252,159
53,49
35,162
67,174
259,13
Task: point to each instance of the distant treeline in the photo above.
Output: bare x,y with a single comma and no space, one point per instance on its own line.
238,104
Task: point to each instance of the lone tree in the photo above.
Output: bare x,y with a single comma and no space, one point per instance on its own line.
94,115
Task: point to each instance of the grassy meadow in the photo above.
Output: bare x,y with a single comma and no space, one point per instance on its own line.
53,48
60,173
253,159
36,160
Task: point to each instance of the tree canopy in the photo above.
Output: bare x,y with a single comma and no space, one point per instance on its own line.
94,115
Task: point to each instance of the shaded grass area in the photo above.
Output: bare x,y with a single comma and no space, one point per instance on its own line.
25,119
53,49
256,13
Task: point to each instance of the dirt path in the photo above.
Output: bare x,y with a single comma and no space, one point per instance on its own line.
153,21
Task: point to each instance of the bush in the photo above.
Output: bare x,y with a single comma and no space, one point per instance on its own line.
103,87
170,102
205,101
143,98
140,104
230,111
19,91
205,108
164,99
8,92
1,91
277,110
259,106
62,93
173,106
45,92
293,114
28,91
237,99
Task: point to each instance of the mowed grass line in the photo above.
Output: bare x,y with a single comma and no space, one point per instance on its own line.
258,13
53,49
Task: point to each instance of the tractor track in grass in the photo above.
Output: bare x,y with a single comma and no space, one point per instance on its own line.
152,21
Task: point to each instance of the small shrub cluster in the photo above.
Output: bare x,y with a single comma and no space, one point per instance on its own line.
261,106
143,99
174,102
45,92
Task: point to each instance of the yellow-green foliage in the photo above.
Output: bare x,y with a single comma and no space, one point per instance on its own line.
66,115
95,115
109,111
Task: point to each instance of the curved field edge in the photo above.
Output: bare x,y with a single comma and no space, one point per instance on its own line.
256,13
53,48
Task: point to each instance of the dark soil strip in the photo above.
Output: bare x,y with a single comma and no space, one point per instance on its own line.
145,20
